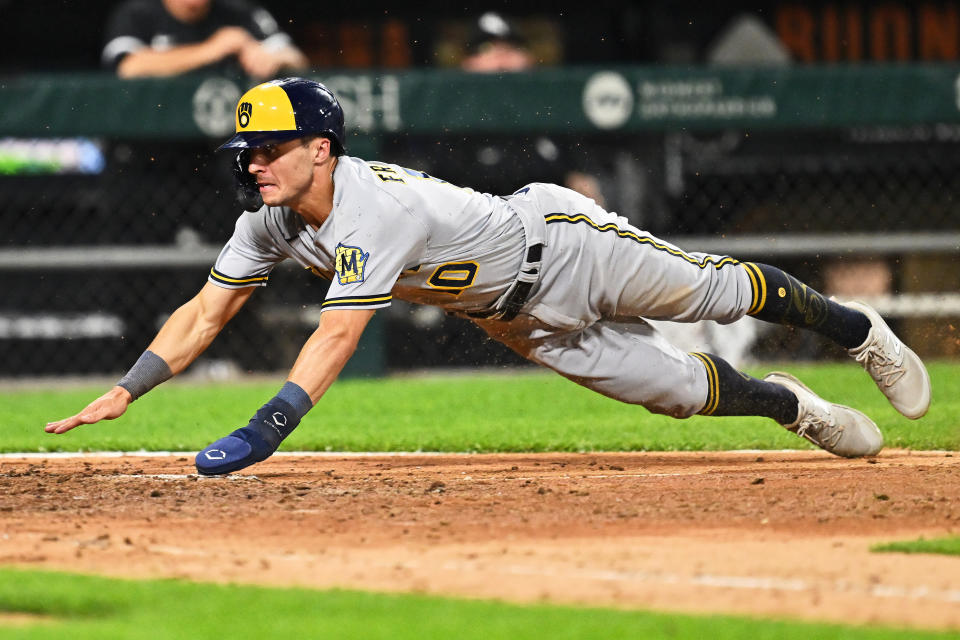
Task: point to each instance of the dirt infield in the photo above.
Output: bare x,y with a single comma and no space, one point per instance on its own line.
762,533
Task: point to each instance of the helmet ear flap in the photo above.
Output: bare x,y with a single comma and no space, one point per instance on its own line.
248,194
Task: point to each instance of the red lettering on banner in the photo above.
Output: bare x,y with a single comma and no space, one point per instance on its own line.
892,32
939,27
796,28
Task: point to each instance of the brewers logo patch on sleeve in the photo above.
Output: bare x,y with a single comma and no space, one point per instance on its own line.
350,262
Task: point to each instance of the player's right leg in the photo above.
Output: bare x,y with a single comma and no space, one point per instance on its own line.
896,369
631,362
692,287
599,266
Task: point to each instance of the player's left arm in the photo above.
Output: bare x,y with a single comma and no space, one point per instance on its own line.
320,361
368,262
325,353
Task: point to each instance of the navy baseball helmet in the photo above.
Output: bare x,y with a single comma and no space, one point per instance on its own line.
287,109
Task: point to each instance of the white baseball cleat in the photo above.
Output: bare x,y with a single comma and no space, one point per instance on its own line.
832,427
896,369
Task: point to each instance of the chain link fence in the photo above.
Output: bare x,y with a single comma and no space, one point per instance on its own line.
129,193
87,317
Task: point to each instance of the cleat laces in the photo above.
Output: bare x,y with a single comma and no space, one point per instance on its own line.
819,430
880,365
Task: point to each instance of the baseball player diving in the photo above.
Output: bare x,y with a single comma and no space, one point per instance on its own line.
544,270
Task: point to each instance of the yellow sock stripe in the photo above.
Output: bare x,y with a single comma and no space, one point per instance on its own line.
716,261
754,286
713,384
759,288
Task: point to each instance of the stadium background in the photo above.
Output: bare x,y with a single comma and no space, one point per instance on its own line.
105,232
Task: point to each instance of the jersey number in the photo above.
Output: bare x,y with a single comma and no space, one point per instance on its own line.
453,277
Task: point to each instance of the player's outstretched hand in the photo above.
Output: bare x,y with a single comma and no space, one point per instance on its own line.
110,405
253,443
236,451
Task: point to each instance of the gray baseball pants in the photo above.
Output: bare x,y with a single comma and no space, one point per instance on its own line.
601,277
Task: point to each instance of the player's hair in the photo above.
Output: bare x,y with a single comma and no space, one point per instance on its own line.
335,149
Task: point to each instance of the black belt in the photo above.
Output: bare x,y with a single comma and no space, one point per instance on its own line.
515,297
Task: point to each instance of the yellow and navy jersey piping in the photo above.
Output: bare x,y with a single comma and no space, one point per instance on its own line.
716,261
378,300
238,282
757,282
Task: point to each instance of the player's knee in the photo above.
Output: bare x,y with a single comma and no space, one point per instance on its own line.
679,395
676,401
678,408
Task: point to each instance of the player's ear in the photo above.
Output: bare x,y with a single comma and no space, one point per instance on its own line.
321,149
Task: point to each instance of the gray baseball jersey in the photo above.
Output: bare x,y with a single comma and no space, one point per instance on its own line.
399,232
392,231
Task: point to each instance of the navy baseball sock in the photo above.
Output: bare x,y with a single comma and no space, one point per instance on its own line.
785,300
257,441
733,393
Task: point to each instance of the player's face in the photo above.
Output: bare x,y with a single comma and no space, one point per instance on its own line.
284,171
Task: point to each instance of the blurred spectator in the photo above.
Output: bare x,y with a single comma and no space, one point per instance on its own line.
168,37
495,45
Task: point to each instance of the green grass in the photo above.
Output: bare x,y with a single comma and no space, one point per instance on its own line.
520,412
81,607
949,546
